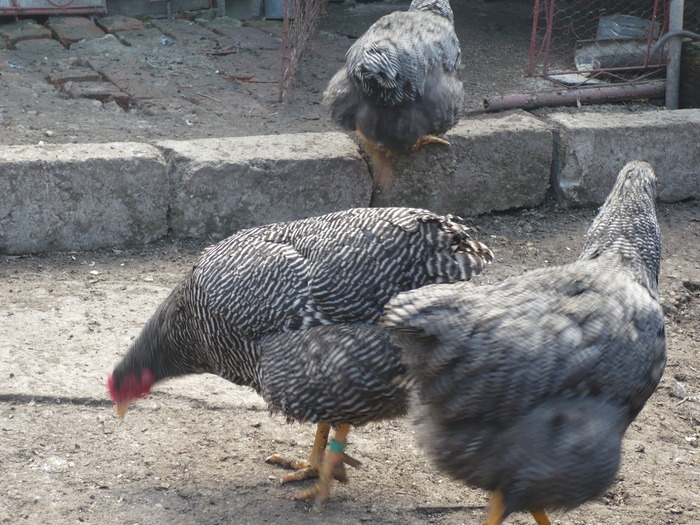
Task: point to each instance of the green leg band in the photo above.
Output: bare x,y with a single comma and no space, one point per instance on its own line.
337,447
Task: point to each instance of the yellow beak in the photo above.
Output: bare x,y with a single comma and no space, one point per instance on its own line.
122,407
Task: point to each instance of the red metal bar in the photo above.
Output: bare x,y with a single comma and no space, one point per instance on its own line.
650,39
551,11
533,38
543,38
79,9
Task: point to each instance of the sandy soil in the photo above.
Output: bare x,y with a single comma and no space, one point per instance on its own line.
193,452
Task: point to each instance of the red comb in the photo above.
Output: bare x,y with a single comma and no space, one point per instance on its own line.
131,386
110,387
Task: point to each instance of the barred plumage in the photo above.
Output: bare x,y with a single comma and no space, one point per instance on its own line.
400,82
291,310
526,387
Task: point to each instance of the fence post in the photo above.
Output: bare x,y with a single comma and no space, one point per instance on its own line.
673,68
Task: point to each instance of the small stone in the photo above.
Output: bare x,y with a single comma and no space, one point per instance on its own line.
679,390
692,286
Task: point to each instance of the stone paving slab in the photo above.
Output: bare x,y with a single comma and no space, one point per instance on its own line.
243,37
81,196
593,147
21,30
102,91
68,29
221,185
77,74
188,33
492,164
117,23
174,74
227,44
34,51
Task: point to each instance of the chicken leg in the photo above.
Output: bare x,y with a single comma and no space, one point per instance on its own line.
309,468
497,512
333,467
382,171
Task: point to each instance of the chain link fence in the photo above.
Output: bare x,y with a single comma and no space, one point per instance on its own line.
576,42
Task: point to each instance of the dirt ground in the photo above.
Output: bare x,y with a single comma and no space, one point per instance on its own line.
188,80
193,452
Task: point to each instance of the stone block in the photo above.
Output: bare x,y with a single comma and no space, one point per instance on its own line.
23,30
32,52
491,164
593,147
76,74
69,29
221,185
102,91
81,196
117,23
108,45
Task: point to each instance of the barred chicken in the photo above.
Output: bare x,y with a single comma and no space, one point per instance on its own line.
291,310
400,85
525,388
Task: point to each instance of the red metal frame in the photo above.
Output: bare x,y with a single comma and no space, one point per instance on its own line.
543,35
54,8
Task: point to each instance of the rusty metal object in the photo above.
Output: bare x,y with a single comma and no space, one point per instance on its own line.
574,96
45,7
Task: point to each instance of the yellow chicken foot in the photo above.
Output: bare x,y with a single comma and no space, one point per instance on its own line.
382,170
541,517
429,139
309,468
333,467
497,512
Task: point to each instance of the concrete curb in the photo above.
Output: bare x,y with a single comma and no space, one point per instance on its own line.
593,147
81,196
492,164
88,196
218,186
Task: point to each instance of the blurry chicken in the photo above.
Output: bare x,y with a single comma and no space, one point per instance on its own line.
291,310
400,84
526,387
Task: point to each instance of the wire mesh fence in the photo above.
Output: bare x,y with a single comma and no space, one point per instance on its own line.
300,23
577,42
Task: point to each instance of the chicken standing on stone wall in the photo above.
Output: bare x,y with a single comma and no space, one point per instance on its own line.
525,388
400,84
291,310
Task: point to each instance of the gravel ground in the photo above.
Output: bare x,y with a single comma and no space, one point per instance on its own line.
193,452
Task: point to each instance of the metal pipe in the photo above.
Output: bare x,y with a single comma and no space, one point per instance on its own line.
673,67
668,36
571,97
